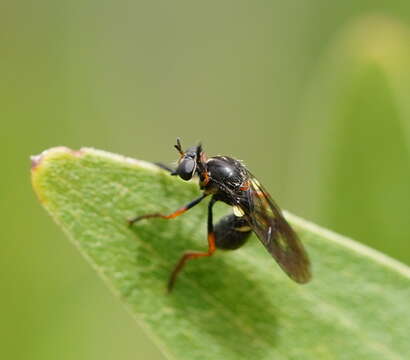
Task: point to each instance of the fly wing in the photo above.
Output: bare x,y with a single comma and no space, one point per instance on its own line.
267,221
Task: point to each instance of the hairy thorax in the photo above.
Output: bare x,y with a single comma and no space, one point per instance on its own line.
226,177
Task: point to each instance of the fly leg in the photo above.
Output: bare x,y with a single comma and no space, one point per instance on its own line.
194,254
176,213
165,167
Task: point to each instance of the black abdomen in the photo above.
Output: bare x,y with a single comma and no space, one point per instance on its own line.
231,232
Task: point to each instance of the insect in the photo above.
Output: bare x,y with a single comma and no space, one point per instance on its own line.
228,180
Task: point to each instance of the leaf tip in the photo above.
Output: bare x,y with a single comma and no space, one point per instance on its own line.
37,160
39,164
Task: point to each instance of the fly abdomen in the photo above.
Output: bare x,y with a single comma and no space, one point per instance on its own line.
231,232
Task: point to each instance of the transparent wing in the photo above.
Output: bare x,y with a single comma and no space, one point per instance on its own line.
267,221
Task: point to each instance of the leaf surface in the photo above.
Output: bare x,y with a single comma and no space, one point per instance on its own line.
234,305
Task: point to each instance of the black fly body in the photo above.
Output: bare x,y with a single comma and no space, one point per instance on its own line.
228,180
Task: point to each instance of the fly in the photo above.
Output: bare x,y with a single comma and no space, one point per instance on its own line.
228,180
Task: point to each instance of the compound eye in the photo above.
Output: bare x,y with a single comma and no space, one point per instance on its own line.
186,169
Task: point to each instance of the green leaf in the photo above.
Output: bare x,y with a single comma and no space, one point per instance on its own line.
234,305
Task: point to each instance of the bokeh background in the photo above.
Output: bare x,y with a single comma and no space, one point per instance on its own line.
313,95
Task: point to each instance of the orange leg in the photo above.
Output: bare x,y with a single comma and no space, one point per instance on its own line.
192,254
170,216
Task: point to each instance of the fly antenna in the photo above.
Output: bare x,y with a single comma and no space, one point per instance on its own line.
179,147
198,151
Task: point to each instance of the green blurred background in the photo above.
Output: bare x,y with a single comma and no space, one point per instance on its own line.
313,95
